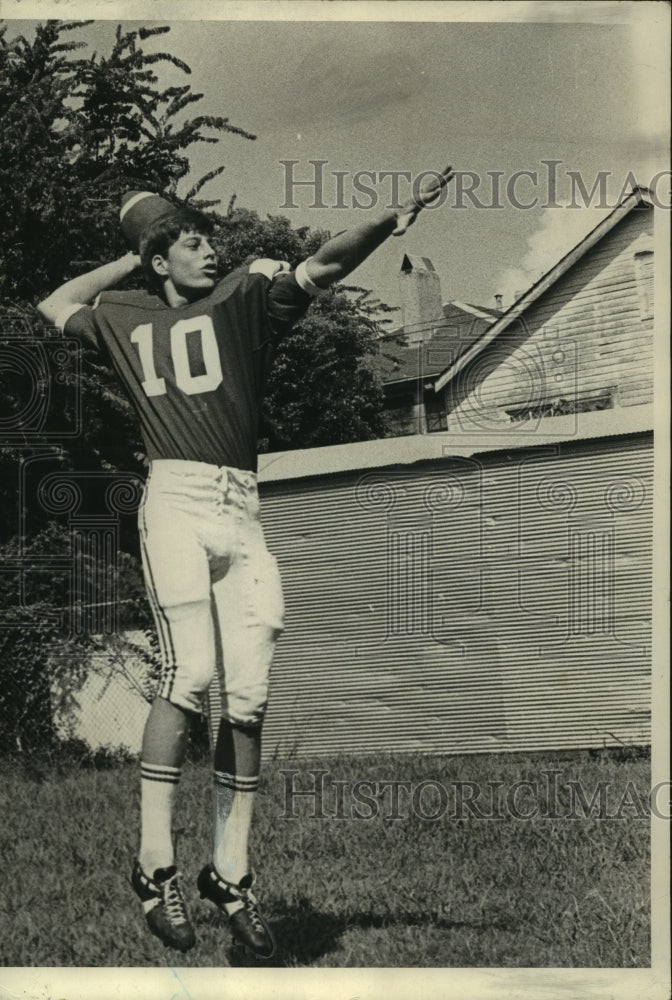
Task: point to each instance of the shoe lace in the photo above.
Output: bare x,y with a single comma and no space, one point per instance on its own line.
252,909
173,901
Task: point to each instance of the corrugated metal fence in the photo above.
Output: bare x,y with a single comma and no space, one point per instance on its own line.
497,602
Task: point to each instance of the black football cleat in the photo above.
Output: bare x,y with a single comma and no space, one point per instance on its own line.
164,906
239,904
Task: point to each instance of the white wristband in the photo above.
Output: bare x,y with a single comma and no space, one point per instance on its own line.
304,282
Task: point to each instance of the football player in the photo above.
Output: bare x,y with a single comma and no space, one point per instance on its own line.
193,352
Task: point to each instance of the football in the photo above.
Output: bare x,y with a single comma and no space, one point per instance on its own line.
139,210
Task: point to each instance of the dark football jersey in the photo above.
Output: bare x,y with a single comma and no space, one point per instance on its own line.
196,374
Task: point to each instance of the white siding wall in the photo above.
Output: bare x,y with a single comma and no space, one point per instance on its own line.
592,332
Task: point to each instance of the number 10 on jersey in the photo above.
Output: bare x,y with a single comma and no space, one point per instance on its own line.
208,381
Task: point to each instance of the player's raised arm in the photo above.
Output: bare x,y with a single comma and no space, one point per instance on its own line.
342,254
82,291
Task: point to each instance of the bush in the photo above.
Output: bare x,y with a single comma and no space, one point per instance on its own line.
44,660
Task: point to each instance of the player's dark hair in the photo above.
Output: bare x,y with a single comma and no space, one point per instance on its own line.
160,237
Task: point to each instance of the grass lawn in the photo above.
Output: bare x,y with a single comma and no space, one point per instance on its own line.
350,886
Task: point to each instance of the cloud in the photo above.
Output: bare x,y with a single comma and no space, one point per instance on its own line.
374,81
559,231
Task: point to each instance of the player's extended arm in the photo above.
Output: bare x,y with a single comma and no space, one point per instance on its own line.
83,290
342,254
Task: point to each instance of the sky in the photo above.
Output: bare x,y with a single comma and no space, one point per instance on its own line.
491,97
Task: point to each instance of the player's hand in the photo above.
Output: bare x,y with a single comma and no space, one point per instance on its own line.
132,260
430,189
271,268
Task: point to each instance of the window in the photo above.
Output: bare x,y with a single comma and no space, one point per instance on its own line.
604,400
435,412
400,420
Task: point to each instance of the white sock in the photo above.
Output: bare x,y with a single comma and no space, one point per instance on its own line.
233,803
158,785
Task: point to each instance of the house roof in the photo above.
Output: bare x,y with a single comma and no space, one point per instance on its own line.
463,324
485,312
638,197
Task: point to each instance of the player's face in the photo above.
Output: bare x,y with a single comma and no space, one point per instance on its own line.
191,265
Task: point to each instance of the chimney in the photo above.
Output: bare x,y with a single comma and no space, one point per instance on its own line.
498,301
420,288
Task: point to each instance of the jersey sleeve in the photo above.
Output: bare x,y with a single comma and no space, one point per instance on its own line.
79,321
289,296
